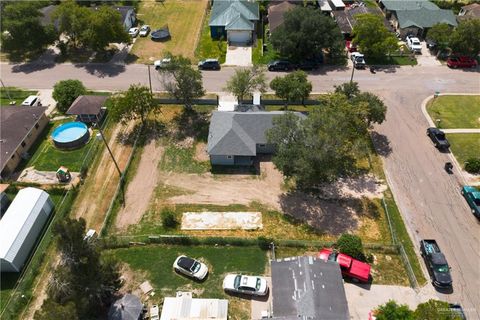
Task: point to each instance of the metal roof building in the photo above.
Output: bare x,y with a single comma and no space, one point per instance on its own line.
21,226
183,307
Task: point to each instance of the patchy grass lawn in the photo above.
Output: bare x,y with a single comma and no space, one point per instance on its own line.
455,112
155,262
47,157
392,60
464,146
182,159
184,19
209,48
8,94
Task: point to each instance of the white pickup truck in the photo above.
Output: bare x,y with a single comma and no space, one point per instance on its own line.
413,43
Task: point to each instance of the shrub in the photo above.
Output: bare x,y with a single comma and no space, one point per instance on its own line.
392,310
264,243
352,245
169,220
66,91
435,309
472,165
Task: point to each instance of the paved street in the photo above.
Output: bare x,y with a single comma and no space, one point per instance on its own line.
429,198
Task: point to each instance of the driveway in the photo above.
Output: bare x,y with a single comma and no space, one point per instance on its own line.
239,56
362,299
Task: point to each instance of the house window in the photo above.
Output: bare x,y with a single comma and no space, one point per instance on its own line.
23,144
262,145
229,157
36,126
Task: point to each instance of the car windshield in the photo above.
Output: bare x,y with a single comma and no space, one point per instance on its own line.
441,136
442,268
332,256
477,202
416,42
236,283
195,267
259,282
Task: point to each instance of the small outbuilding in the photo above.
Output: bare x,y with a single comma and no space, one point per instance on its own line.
88,109
129,307
183,306
21,225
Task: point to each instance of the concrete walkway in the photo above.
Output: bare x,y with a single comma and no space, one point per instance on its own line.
226,102
47,100
461,130
239,56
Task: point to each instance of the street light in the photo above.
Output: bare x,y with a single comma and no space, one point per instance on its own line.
353,71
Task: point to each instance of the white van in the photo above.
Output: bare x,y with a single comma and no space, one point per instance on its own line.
32,101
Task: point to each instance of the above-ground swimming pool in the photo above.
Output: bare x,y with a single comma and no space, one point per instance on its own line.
70,135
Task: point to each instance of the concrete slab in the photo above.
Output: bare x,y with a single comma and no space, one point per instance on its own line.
31,175
426,58
221,220
262,305
362,299
47,100
239,56
226,102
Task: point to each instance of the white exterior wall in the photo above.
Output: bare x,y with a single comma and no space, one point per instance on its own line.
21,226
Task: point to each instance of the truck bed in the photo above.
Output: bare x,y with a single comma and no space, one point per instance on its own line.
430,246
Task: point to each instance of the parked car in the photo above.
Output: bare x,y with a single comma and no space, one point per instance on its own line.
351,47
438,138
144,30
413,43
209,64
436,263
461,62
472,195
252,285
159,64
431,44
32,101
350,267
133,32
307,65
190,267
280,65
358,60
457,310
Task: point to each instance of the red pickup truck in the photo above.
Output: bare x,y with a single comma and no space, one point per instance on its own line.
350,267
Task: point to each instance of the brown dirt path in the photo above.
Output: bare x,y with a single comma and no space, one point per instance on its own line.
140,189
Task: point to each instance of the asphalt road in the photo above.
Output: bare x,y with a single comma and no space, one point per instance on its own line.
429,199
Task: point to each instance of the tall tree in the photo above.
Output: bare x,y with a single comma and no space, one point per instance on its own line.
66,91
22,33
435,309
73,20
135,103
292,87
440,33
465,38
245,82
392,310
182,81
104,27
306,32
371,35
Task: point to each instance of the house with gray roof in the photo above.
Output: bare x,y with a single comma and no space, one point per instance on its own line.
88,108
307,288
234,20
236,138
416,17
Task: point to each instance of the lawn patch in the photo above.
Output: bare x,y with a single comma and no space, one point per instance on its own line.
464,146
9,94
209,48
392,61
156,263
184,19
455,112
181,159
265,55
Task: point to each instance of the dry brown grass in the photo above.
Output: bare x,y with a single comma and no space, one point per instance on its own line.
184,19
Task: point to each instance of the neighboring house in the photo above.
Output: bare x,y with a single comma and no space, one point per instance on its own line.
307,288
471,11
183,306
129,307
21,225
346,19
234,20
127,15
88,109
415,17
236,138
20,127
47,14
324,6
276,12
336,5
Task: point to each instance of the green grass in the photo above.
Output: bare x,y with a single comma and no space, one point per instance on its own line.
269,54
154,263
209,48
455,111
47,157
464,146
392,60
8,94
181,159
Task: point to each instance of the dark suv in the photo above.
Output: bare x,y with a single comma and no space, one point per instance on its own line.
438,138
280,65
209,64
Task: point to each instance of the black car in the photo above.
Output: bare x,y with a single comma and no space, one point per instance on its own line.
280,65
436,264
457,310
209,64
438,138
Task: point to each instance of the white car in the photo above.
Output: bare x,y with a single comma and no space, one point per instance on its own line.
32,101
133,32
413,43
144,30
159,64
358,59
190,267
252,285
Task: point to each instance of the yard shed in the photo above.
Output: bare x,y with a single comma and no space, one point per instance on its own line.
21,225
183,306
88,109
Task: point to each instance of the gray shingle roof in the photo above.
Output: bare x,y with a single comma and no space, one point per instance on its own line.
240,23
425,18
87,105
395,5
238,133
225,12
308,288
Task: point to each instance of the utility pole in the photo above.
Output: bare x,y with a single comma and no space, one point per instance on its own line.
149,78
353,71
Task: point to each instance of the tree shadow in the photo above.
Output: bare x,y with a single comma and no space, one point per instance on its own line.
30,67
191,123
381,144
102,70
152,130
